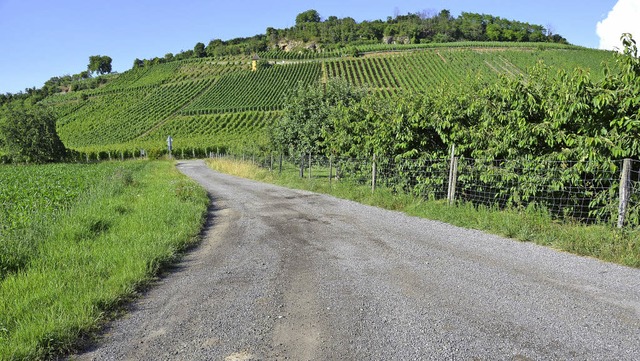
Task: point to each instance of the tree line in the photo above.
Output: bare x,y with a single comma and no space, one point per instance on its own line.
412,28
28,130
333,33
98,65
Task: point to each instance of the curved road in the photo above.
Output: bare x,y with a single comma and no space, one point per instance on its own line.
287,274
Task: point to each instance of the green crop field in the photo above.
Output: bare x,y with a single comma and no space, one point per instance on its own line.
78,239
32,196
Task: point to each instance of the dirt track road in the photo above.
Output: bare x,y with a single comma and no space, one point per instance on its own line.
285,274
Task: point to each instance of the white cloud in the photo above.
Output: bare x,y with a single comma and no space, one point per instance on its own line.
623,18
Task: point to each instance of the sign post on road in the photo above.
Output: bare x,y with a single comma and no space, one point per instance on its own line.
169,145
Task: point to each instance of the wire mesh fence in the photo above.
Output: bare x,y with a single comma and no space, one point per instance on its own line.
586,192
580,191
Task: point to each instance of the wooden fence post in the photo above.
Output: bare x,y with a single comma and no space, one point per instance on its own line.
310,165
280,165
373,174
330,168
301,165
625,191
453,176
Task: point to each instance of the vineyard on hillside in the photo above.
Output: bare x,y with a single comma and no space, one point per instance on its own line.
220,102
263,90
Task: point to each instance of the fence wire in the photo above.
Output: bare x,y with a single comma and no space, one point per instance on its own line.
587,192
580,191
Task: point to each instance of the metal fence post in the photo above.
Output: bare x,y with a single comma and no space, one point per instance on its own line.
625,191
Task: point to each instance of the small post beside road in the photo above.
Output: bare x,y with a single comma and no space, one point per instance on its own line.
169,145
453,176
330,168
301,165
373,174
625,191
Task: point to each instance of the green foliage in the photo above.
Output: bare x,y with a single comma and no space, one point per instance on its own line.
399,127
309,16
263,64
123,116
340,33
198,51
100,64
96,255
531,135
306,124
137,63
28,134
563,116
32,197
245,90
138,108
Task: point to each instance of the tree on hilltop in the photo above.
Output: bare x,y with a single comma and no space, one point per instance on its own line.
309,16
99,64
199,51
137,63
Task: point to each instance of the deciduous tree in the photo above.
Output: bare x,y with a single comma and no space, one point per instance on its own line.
28,134
100,64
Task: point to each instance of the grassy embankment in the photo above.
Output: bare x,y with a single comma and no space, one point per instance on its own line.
97,254
529,225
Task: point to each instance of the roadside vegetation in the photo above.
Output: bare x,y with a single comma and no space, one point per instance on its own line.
529,224
581,125
86,257
78,240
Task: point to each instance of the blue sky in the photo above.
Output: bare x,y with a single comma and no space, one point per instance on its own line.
45,38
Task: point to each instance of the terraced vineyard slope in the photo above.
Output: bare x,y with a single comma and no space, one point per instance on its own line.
209,103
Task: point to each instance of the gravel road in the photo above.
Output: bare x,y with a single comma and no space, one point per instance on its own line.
286,274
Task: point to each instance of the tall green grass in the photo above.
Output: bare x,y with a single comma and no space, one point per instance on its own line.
31,197
620,246
96,255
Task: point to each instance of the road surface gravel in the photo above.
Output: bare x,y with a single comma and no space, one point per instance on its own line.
285,274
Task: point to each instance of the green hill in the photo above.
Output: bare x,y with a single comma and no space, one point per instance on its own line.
209,103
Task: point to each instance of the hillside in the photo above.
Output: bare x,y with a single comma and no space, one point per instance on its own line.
210,103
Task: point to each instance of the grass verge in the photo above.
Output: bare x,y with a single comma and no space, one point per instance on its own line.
610,244
97,255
